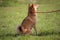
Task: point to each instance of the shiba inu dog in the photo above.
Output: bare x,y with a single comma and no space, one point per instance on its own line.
30,21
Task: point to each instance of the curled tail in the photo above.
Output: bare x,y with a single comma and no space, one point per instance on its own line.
19,30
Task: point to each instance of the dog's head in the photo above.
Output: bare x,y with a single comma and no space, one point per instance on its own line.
33,8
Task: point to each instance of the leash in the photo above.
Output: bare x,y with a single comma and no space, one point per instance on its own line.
49,11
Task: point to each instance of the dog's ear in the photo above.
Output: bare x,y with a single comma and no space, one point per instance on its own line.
32,5
29,5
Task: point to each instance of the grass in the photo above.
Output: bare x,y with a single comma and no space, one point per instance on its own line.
48,24
50,37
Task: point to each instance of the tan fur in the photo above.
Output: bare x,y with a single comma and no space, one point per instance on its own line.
30,21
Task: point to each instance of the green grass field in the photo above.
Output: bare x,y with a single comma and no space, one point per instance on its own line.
48,24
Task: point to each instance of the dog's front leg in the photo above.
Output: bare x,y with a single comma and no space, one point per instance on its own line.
34,26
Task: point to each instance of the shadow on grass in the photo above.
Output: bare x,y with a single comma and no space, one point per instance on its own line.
46,33
7,35
39,34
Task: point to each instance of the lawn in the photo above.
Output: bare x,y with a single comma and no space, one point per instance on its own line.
48,24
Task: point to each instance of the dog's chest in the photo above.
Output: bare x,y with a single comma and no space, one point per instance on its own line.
33,19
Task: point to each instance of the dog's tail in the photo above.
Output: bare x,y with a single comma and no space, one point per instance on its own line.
19,29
